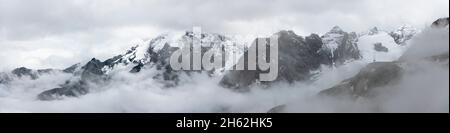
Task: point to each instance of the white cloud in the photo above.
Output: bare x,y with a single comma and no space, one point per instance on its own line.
422,90
82,29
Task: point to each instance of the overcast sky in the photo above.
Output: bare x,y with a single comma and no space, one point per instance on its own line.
57,33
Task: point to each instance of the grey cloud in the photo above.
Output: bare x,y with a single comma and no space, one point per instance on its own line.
24,18
56,33
86,25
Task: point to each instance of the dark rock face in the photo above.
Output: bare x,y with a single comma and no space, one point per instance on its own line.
371,80
297,57
22,71
380,74
72,68
94,70
441,23
374,75
380,48
403,34
33,74
91,72
161,59
137,68
4,78
41,71
340,45
66,90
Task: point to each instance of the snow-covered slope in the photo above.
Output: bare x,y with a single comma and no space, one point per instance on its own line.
334,48
340,45
403,34
140,79
370,52
154,51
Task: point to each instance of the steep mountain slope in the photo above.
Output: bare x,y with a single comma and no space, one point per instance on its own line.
382,46
416,74
340,45
403,34
298,58
441,23
147,55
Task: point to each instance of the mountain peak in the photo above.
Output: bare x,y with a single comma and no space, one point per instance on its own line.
403,34
94,60
336,29
22,71
441,23
374,31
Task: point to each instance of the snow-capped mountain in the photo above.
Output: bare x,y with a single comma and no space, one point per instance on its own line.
381,45
397,76
403,34
380,74
23,72
298,57
4,77
151,54
340,45
441,23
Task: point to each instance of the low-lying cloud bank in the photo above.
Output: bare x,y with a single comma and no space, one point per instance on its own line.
423,88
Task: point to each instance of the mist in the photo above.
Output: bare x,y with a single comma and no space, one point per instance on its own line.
424,87
56,34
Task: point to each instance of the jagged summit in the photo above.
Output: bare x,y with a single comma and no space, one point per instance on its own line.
4,78
340,45
298,57
441,23
403,34
373,31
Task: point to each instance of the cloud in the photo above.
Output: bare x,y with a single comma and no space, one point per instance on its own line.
429,43
423,88
82,27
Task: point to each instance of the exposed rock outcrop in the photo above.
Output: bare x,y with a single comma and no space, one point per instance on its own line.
341,46
67,90
91,72
298,56
403,34
374,75
380,48
4,78
157,55
33,74
441,23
